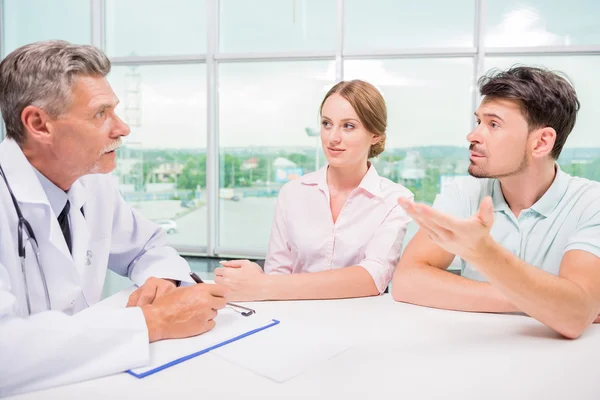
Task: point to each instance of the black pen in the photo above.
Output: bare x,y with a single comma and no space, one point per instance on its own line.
248,311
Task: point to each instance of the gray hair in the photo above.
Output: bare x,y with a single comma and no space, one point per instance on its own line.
41,74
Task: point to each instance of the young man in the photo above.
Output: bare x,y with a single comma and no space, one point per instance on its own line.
527,233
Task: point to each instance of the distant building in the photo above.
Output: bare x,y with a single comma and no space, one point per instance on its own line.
282,162
166,172
251,163
286,170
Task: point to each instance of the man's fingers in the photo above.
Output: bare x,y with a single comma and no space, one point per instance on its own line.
408,205
164,288
218,303
486,211
217,290
431,227
212,314
220,271
210,325
422,215
431,214
597,320
147,295
133,298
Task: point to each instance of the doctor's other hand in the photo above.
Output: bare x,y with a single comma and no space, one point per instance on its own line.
184,312
151,290
244,280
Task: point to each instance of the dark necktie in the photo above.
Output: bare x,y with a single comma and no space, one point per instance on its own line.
63,221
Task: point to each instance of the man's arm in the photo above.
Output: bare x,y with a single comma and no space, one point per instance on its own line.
51,348
421,278
567,303
139,248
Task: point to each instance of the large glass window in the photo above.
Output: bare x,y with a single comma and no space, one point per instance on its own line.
429,104
26,21
144,28
521,23
162,165
581,155
268,119
277,25
393,24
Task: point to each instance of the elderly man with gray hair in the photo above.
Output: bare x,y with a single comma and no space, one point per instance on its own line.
63,223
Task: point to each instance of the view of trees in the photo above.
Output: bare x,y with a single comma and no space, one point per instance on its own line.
240,168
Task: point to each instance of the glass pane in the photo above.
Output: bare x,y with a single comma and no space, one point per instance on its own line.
269,113
581,154
277,25
162,165
542,23
27,21
430,113
144,28
393,24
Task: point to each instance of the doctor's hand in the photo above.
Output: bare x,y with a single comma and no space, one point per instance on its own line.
184,312
151,290
244,280
597,320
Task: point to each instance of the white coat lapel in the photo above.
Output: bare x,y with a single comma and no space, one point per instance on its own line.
55,257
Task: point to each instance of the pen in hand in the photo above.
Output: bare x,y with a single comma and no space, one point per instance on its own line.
246,313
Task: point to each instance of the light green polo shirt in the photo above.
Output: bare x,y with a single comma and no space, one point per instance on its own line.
566,217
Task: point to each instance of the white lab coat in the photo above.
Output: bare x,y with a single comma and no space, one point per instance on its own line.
61,346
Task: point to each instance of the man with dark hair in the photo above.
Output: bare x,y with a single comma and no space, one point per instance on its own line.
63,223
527,234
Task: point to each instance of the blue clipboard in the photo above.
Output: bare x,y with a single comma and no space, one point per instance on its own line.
203,351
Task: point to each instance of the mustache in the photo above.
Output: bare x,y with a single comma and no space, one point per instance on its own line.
112,146
477,150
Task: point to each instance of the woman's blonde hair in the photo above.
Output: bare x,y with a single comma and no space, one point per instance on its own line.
369,105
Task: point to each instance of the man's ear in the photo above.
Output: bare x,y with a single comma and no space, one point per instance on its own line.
542,141
36,122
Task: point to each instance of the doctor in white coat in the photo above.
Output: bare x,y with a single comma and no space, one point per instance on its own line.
62,133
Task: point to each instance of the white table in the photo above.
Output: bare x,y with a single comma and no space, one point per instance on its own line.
400,351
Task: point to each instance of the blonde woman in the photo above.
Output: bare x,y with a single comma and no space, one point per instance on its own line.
337,232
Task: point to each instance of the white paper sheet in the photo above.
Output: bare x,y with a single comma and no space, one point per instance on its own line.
279,353
285,350
229,324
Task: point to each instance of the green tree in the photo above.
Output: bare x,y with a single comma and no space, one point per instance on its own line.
231,174
193,174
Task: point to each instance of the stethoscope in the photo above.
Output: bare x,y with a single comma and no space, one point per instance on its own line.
25,227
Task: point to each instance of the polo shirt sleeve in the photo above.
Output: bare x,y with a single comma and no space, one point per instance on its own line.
587,235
